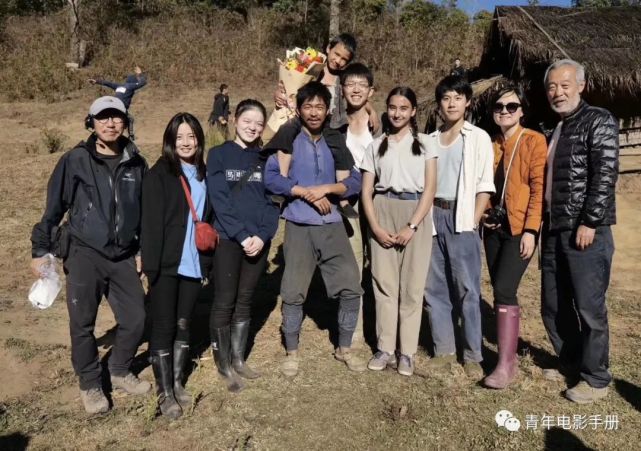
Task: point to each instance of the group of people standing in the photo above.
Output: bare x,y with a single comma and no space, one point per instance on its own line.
417,208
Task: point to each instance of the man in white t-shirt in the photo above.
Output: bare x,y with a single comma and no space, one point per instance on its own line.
357,83
464,183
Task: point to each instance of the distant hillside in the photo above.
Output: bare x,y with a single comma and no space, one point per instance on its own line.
197,45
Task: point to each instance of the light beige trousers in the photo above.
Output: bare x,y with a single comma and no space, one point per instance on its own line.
399,276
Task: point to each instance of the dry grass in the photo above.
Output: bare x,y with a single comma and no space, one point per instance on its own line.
325,407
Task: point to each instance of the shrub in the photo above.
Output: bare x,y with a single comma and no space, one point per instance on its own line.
32,148
53,139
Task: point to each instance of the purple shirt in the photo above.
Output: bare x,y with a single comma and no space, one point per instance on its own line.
312,165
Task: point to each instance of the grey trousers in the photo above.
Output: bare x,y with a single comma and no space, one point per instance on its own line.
326,247
355,227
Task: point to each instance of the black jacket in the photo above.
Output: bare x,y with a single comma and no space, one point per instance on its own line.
284,137
164,221
104,209
220,108
585,170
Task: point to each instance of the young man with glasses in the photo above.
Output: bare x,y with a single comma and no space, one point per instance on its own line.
98,184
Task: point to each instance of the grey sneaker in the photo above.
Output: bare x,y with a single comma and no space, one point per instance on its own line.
94,400
349,357
380,361
289,365
474,370
130,384
583,393
441,363
405,365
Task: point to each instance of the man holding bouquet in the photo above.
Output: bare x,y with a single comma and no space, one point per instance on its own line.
340,52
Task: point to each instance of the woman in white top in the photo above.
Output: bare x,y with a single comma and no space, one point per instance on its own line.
399,182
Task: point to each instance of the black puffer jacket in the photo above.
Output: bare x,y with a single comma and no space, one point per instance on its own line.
586,167
104,209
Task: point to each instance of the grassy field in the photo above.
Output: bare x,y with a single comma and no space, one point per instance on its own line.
325,407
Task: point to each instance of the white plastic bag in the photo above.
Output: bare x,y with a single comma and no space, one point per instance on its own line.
44,290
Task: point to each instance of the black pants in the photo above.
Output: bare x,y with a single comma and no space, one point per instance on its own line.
575,316
504,263
172,301
235,278
90,276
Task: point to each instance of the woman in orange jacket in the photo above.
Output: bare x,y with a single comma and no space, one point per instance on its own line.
512,222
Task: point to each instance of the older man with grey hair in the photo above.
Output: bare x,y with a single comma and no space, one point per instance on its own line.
577,244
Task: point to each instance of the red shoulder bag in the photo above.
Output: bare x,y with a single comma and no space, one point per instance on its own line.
206,236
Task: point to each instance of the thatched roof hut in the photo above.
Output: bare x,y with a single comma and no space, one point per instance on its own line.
523,41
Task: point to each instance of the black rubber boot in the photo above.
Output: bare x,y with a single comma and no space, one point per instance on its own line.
221,348
181,356
161,363
239,333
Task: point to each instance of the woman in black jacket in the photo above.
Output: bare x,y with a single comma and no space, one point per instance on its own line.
247,220
175,268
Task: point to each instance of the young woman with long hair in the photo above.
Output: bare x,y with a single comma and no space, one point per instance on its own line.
399,182
176,269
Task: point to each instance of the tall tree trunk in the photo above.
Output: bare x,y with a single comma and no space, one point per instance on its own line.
334,17
77,52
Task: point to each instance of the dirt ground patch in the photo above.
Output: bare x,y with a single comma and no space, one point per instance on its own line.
325,407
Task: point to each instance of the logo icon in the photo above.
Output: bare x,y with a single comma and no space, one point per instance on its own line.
504,418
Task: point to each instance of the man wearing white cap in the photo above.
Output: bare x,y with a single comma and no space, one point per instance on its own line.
98,184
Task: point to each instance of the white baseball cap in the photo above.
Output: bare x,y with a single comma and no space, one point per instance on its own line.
107,103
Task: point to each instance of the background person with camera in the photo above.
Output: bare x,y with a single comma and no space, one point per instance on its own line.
512,223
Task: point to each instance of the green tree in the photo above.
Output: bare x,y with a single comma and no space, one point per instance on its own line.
420,12
457,17
483,16
533,2
368,7
25,7
591,3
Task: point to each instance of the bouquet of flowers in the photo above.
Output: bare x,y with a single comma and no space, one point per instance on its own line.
299,68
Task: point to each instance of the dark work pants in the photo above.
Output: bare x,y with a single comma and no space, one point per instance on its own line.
235,278
504,263
575,316
326,247
90,276
172,300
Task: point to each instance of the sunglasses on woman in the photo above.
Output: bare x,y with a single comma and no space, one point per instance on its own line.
510,107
